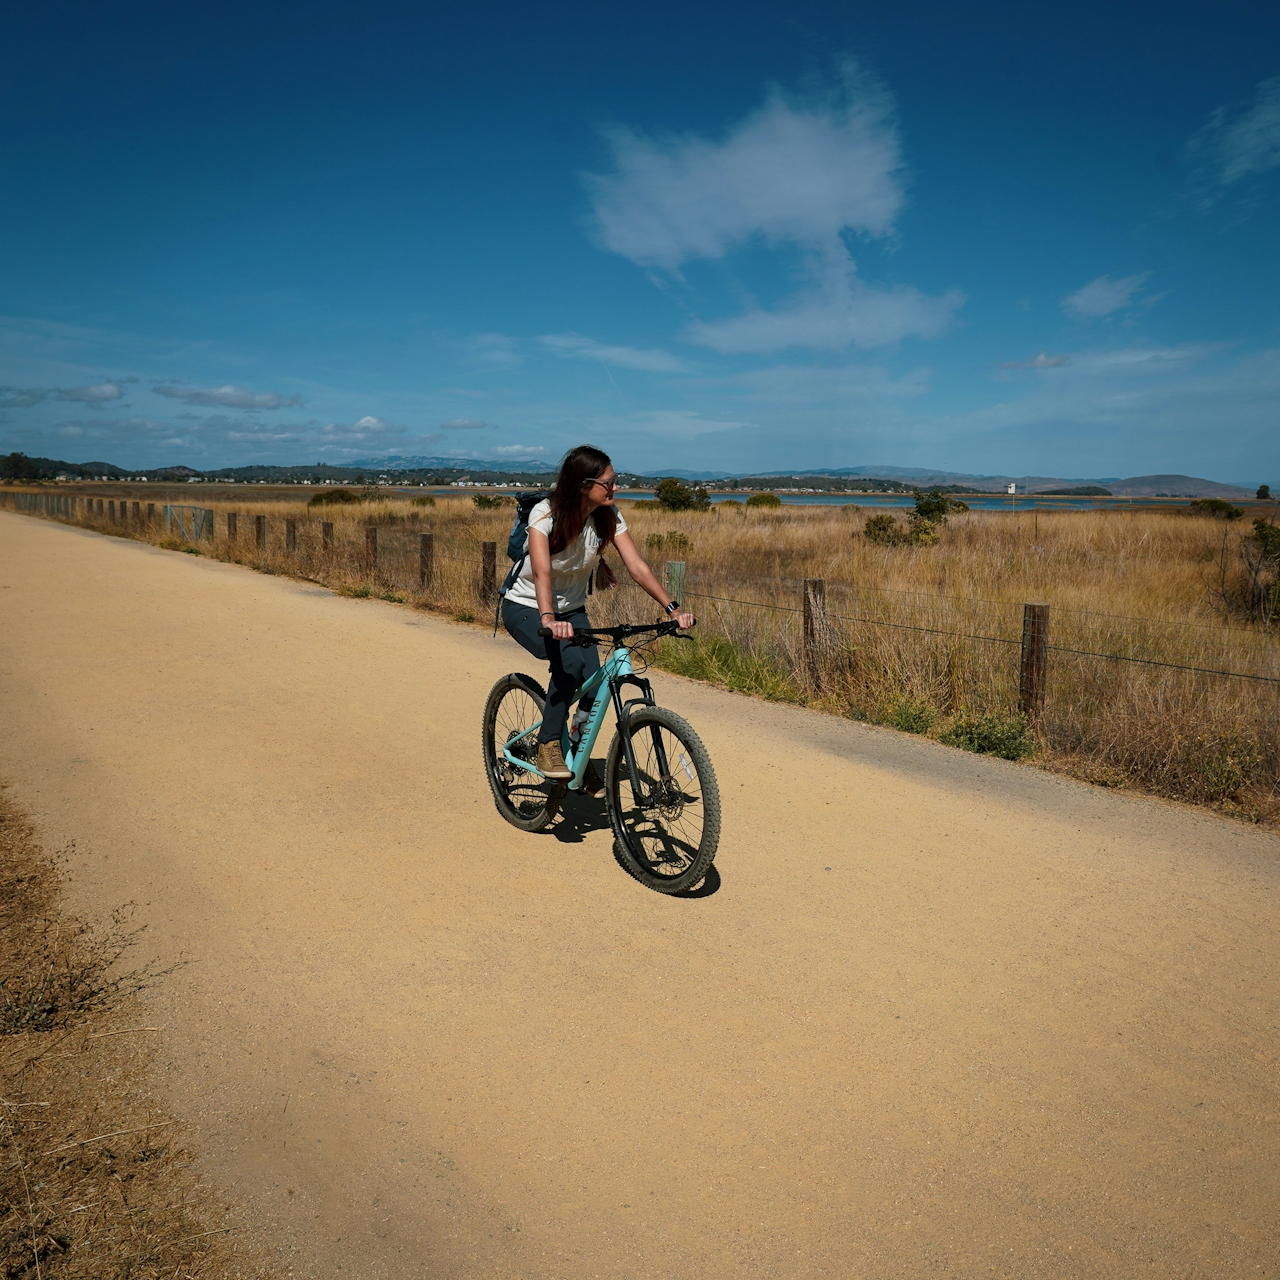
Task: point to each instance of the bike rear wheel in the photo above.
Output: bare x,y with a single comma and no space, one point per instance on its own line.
524,799
668,833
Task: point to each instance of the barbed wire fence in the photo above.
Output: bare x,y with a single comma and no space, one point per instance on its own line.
1183,709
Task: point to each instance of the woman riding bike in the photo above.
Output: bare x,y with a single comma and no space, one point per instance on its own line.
567,532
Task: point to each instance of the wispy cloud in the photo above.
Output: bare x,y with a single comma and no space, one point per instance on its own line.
574,345
98,393
1232,147
792,171
463,424
1041,361
517,450
1104,296
228,397
842,311
21,397
800,172
24,398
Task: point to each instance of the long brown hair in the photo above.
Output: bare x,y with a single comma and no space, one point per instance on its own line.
579,465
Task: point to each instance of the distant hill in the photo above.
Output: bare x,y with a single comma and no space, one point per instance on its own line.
1173,486
401,462
533,472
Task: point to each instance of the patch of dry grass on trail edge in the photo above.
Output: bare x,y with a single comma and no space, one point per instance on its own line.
96,1181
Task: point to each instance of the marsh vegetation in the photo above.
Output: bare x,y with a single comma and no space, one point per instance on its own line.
1164,633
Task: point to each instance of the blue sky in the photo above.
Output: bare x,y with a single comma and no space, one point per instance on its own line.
987,238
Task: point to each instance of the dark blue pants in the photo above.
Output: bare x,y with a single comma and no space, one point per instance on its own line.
571,665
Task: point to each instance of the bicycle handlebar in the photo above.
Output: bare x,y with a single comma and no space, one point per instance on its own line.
587,635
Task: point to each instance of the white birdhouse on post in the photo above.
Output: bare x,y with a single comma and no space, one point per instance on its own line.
1013,488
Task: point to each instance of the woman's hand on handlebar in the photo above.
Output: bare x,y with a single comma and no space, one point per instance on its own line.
560,630
683,619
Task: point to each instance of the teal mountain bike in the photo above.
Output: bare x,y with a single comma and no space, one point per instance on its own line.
659,787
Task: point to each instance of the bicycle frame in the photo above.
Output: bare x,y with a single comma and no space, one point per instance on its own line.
616,671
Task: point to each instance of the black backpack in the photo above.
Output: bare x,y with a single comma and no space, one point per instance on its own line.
517,546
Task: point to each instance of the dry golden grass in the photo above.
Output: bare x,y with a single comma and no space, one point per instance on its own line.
96,1182
923,637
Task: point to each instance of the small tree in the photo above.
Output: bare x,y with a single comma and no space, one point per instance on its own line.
674,495
764,500
17,466
933,505
1264,492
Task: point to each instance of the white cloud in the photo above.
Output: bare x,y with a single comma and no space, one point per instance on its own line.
99,393
463,424
228,397
497,349
516,450
21,397
792,171
1232,149
842,311
800,173
1041,361
24,398
574,345
1103,296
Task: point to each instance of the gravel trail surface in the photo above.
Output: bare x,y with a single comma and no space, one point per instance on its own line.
942,1016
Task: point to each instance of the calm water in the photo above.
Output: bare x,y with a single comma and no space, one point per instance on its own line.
979,502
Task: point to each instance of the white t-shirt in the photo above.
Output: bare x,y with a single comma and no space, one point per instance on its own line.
571,569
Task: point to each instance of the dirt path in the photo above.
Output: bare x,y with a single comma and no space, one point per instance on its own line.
944,1017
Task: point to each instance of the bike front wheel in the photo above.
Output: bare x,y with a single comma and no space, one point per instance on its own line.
512,711
666,820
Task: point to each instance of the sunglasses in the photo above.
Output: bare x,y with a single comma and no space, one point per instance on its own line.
608,484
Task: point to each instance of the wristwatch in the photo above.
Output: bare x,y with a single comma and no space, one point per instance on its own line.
672,607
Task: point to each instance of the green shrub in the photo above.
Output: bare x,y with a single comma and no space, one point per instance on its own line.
764,500
489,501
730,502
912,716
932,505
674,495
884,529
463,616
425,501
997,733
1219,508
1223,763
671,541
328,497
720,661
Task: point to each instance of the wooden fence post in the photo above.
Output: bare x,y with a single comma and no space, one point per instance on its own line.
99,506
488,568
291,535
371,545
137,512
260,531
326,535
151,511
233,525
815,611
426,559
1035,659
673,579
111,510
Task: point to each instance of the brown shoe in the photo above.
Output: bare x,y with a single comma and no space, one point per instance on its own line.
592,782
551,762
